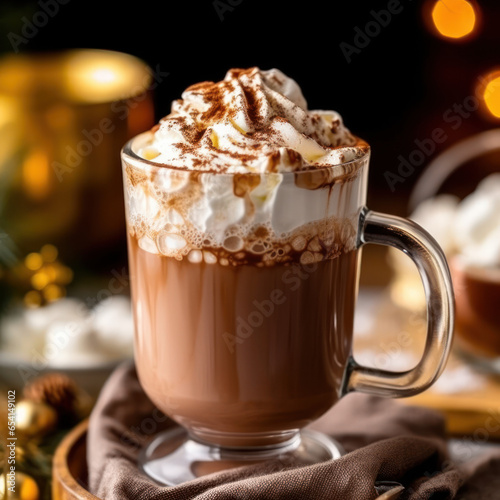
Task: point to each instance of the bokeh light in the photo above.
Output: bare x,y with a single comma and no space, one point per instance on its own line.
454,18
37,174
33,261
102,76
489,90
47,276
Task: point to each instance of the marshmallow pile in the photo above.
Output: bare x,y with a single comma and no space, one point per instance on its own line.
469,228
66,333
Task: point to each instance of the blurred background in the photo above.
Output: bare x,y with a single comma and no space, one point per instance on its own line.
413,78
396,71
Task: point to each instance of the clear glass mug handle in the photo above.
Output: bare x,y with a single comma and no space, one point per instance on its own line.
421,247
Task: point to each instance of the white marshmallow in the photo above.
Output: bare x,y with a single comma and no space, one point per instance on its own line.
477,224
25,330
40,319
72,343
65,333
437,215
113,324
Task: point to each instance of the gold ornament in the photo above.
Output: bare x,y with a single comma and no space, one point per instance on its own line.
23,487
34,419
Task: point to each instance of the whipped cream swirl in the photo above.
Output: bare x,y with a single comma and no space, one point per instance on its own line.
226,195
252,121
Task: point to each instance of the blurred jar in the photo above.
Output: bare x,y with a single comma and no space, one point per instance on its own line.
63,120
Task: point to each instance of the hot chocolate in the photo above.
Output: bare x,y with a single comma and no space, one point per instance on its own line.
242,253
245,216
234,351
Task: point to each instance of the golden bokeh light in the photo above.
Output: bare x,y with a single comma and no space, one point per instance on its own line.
26,487
53,292
46,275
37,173
454,18
33,299
102,76
33,261
491,93
49,253
40,280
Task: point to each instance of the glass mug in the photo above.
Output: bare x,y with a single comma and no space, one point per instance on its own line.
246,344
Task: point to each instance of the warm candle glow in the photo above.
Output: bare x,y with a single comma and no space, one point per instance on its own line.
454,18
100,76
104,75
64,117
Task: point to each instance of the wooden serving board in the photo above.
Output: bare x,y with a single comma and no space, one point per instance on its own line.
469,413
69,472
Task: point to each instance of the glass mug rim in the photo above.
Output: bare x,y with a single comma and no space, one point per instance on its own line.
337,171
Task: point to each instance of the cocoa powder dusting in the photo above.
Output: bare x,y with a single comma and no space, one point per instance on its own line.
258,126
253,107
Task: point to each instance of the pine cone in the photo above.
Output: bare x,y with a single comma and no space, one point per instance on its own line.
56,390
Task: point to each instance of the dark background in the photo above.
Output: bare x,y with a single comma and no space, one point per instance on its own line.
396,90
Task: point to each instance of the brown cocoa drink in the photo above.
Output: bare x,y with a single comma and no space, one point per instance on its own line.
242,214
230,351
245,216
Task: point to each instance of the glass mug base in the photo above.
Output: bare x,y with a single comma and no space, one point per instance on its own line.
175,457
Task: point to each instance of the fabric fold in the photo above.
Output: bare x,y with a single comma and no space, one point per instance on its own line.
385,441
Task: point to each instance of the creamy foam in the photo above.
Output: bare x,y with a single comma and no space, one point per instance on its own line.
246,177
252,121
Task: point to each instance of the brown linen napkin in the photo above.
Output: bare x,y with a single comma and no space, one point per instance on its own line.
386,442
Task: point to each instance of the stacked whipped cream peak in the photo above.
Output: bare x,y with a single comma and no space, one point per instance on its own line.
252,121
239,172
